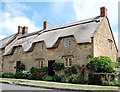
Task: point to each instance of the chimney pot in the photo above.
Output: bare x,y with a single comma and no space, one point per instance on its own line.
103,12
25,30
20,30
45,25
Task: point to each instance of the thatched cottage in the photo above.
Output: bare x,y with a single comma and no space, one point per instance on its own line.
68,43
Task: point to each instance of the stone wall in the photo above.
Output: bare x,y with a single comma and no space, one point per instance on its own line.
101,44
79,52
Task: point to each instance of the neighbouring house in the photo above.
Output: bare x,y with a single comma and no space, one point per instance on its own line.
68,43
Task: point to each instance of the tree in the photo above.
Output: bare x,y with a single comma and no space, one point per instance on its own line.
101,64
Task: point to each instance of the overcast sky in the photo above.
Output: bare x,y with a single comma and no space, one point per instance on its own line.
33,12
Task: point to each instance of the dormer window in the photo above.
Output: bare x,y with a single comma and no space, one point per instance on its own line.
19,51
40,46
67,42
110,42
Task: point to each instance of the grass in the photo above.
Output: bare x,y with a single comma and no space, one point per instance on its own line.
87,87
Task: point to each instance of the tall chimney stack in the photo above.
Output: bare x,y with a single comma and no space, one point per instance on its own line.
20,30
45,25
103,12
25,30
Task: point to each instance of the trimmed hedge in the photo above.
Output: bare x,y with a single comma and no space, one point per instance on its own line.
8,75
98,78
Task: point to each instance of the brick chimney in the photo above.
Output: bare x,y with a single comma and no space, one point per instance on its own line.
25,30
20,28
103,12
45,25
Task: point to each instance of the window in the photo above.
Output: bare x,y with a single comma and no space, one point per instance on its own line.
68,62
40,46
11,65
110,44
39,63
67,42
19,51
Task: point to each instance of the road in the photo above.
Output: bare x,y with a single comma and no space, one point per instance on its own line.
17,87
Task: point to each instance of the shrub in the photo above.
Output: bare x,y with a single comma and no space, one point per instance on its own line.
21,75
34,70
47,78
56,78
100,77
8,75
113,83
94,79
31,77
44,69
58,66
38,72
22,67
78,79
66,79
101,64
74,69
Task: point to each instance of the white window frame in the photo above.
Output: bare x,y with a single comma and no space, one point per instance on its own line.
67,42
39,63
68,62
40,46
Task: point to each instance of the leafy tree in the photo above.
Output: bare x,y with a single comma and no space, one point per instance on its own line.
101,64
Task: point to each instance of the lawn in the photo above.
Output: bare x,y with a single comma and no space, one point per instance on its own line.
58,85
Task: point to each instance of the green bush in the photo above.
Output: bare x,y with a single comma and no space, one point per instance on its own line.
47,78
113,83
31,77
22,67
56,78
57,66
38,72
66,79
78,79
100,77
94,79
74,69
21,75
8,75
101,64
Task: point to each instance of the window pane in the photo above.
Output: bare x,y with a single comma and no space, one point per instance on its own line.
40,46
70,62
41,64
67,42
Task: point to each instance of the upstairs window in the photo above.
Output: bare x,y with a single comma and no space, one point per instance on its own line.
110,42
19,51
39,63
40,46
67,42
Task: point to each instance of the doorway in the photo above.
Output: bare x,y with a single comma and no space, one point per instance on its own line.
18,66
51,72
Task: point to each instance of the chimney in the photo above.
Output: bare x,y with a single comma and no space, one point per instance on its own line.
20,30
25,30
103,12
45,25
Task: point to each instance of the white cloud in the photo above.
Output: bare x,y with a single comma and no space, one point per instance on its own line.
12,24
14,16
